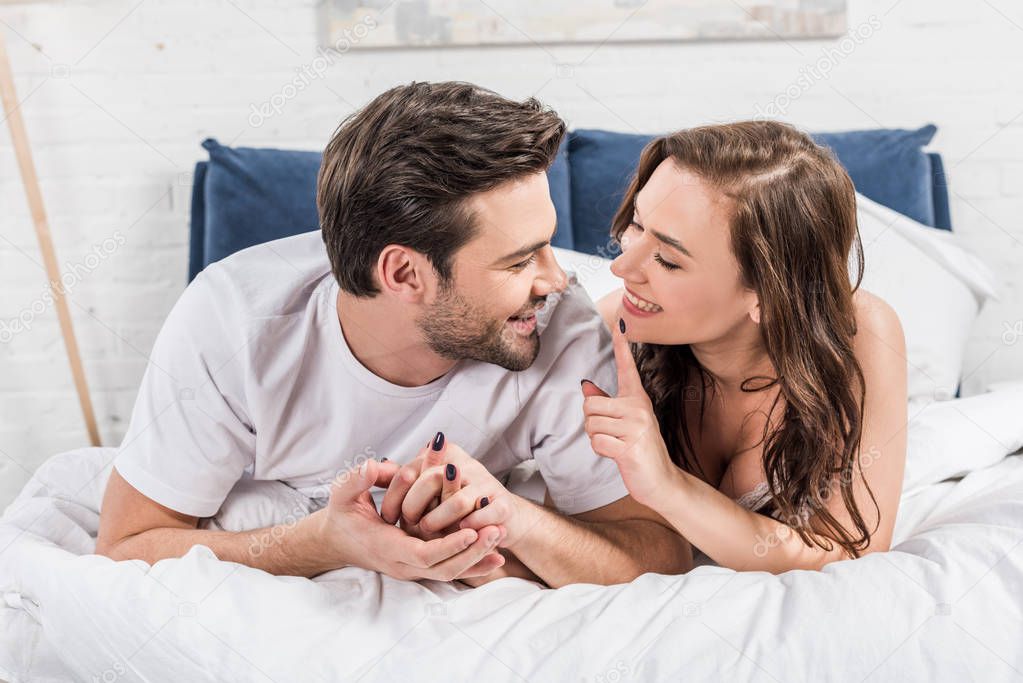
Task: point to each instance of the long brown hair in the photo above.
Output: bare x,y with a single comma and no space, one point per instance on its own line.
793,226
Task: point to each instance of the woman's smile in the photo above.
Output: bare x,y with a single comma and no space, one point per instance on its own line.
638,306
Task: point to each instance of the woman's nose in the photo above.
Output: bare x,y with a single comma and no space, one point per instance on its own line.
625,265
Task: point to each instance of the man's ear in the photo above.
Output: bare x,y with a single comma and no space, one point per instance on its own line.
404,272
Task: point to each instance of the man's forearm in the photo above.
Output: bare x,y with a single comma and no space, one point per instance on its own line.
563,550
284,549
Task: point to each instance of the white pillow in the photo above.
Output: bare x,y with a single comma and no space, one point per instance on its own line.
593,272
950,438
935,286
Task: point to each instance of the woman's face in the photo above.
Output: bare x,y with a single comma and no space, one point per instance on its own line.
677,258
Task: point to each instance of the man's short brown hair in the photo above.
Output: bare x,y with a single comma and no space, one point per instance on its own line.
399,170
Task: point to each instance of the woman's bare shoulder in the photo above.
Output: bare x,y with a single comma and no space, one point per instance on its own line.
880,344
608,306
877,323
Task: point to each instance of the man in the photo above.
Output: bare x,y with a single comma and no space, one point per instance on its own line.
415,335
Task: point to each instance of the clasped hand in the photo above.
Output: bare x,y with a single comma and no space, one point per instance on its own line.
452,517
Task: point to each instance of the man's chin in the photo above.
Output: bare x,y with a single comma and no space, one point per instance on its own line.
456,333
518,348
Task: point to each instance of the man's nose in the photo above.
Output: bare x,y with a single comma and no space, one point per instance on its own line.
553,278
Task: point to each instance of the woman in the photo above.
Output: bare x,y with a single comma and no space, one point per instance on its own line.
761,410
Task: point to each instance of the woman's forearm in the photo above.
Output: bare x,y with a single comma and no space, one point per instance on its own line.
733,536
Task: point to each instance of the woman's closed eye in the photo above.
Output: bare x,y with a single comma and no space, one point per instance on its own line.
667,264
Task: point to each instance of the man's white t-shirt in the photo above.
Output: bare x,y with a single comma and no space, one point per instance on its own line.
251,376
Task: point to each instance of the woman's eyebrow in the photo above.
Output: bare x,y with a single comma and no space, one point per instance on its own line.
667,239
671,242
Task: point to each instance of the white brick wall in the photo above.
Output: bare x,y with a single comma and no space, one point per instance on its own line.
118,94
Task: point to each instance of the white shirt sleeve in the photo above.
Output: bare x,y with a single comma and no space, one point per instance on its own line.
189,439
575,345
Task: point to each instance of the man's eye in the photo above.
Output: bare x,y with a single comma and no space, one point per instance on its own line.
522,265
666,264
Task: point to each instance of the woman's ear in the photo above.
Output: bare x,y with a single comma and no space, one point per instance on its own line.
754,313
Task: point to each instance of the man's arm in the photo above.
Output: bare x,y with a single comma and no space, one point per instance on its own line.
565,547
135,527
611,544
348,531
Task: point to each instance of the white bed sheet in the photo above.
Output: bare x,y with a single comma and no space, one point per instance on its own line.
943,604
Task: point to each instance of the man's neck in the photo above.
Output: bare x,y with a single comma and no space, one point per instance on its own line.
386,342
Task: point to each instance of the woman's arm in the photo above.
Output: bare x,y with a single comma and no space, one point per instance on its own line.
733,536
725,531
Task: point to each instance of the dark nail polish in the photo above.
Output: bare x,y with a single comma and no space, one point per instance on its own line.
621,325
438,441
584,381
449,472
383,459
484,501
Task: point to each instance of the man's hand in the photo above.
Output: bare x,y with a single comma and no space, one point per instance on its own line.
355,534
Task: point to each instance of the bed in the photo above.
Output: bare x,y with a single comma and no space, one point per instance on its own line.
942,604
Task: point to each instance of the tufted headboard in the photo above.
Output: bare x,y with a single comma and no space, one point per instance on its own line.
245,196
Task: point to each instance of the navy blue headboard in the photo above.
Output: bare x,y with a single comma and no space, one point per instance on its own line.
246,196
939,189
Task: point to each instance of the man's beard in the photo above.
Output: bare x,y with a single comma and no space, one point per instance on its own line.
455,329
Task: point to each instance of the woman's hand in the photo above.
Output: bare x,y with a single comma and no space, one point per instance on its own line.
481,501
432,480
445,489
625,429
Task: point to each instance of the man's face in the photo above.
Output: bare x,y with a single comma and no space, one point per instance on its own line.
499,279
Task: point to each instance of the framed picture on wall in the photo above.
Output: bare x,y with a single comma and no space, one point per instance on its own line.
354,24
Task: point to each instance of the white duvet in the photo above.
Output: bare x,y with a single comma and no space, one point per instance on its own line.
944,604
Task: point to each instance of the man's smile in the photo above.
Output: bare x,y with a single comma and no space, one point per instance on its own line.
525,322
